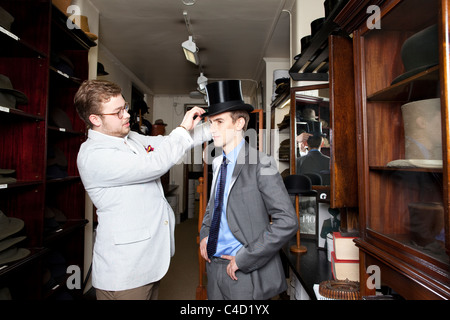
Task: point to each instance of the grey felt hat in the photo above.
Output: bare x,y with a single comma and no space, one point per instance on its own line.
8,95
419,52
9,225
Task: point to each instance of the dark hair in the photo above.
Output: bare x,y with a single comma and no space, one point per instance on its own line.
314,141
90,96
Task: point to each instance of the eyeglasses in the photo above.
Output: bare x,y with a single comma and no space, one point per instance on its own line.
119,113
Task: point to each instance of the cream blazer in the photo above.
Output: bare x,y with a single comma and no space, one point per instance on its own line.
135,233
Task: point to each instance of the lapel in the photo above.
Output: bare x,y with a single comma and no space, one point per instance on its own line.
241,160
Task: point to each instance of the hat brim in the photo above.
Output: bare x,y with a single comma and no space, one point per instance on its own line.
13,254
21,98
14,225
411,73
311,193
9,242
215,110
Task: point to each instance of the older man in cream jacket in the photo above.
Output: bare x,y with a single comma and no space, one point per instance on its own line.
121,172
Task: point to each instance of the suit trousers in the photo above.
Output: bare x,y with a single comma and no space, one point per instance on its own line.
222,287
147,292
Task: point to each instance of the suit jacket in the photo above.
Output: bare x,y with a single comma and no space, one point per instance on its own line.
135,233
315,161
256,193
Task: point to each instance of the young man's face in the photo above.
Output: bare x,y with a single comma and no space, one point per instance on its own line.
225,133
109,122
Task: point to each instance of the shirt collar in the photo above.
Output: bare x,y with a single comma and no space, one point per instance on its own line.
93,133
233,154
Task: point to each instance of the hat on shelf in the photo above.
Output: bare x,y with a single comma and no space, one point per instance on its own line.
62,63
5,176
59,118
13,254
62,5
426,221
330,5
309,114
299,184
6,19
423,135
9,242
316,25
224,96
160,122
9,225
56,163
9,97
419,52
101,70
82,22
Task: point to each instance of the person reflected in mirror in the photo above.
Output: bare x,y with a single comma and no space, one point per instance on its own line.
314,161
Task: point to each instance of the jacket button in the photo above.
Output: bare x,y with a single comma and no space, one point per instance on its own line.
166,222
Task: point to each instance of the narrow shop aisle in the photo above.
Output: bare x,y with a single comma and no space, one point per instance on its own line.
181,280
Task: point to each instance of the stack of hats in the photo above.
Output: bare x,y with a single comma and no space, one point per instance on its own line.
285,123
281,83
56,163
284,151
9,251
6,176
6,19
9,97
54,219
60,119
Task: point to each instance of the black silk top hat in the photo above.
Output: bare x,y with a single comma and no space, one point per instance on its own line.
419,52
224,96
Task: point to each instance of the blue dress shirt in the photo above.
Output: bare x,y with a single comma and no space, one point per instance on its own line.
227,244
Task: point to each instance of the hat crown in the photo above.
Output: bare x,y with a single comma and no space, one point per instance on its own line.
224,91
226,95
421,49
5,82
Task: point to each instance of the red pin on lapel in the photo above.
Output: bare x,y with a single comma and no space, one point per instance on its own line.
149,149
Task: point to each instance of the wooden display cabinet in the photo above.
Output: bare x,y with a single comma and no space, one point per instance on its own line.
27,136
392,234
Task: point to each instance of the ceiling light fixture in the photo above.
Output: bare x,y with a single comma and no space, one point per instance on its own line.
188,2
190,51
202,81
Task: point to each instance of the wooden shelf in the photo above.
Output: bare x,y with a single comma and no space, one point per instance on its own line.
423,85
39,30
314,59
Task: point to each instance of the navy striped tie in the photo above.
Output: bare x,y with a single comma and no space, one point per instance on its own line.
218,203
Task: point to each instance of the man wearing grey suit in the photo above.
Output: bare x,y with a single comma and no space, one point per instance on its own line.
315,161
257,215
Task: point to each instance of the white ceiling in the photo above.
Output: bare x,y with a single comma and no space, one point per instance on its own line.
233,37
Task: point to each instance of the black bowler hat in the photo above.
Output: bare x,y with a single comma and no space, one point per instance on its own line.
419,52
299,184
224,96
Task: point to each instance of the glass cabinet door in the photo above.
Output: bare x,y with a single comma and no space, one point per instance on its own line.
401,110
